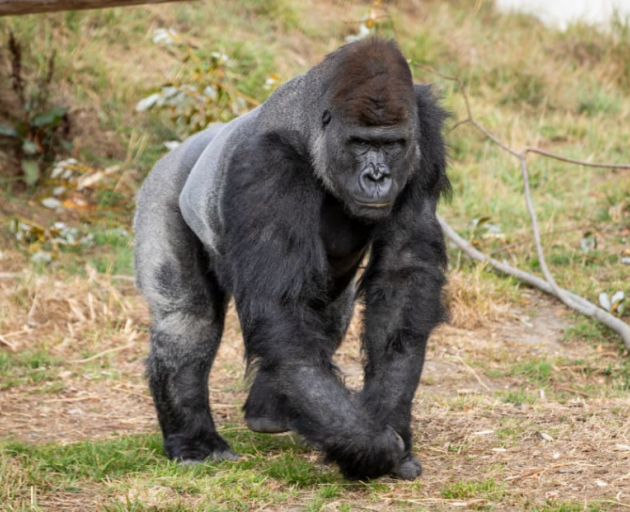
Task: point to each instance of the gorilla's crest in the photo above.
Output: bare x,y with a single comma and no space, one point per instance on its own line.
373,84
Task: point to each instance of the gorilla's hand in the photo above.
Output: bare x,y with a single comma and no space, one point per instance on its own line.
362,458
408,468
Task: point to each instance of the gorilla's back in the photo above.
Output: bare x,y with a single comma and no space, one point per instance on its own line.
194,174
200,199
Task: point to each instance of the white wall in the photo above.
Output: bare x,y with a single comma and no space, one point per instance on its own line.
562,12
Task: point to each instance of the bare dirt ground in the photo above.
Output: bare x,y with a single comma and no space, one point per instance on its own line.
564,439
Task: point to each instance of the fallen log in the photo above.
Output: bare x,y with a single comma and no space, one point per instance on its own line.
16,7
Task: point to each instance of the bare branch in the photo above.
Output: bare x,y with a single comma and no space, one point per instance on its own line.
459,123
494,139
529,149
548,285
578,303
573,161
599,314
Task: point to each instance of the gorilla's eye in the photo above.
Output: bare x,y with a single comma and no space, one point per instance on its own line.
326,117
361,143
393,145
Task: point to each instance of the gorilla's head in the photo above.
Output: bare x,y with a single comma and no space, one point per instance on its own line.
368,145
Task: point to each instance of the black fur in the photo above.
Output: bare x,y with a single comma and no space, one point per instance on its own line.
293,224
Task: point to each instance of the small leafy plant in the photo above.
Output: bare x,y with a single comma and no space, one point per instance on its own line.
614,304
202,92
45,244
33,129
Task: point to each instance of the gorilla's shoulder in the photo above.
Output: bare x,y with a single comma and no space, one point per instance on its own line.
270,154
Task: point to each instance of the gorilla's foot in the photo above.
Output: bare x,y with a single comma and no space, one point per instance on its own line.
265,410
192,449
408,469
266,425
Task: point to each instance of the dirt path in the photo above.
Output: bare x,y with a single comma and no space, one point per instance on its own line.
510,405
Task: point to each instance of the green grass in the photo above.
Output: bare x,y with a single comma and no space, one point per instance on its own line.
135,464
113,253
28,368
487,489
517,397
547,373
510,430
619,377
95,461
537,371
568,93
589,330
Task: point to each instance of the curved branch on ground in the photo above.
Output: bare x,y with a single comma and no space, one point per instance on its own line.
548,285
579,304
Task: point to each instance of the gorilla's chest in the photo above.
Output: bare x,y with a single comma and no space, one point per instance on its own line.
345,240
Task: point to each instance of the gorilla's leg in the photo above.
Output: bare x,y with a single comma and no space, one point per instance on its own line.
402,287
390,384
184,342
187,308
294,353
266,410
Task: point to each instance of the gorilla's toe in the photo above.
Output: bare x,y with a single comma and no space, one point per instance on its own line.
196,449
408,469
217,456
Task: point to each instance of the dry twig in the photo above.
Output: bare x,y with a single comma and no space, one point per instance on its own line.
536,472
103,353
11,275
7,343
474,374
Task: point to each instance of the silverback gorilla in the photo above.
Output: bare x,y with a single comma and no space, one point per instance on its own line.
278,209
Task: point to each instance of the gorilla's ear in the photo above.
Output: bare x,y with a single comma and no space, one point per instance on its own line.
326,117
433,156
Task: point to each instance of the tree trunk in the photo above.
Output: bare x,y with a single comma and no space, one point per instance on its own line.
9,7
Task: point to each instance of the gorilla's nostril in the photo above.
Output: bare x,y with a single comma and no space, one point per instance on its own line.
382,169
375,183
376,175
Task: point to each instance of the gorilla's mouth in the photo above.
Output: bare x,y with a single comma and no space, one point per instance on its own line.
373,205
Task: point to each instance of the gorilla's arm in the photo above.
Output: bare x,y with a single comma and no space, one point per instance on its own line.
402,292
402,286
277,272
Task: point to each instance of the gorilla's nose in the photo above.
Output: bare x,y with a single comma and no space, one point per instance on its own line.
376,182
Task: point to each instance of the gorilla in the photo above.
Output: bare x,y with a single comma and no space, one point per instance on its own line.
278,209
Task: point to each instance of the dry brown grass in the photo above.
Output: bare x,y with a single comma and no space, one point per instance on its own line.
560,445
474,302
493,429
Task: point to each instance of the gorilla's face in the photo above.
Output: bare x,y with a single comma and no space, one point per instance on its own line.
367,146
368,166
